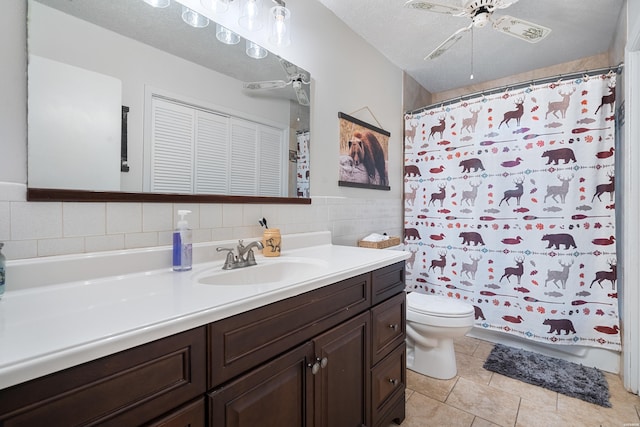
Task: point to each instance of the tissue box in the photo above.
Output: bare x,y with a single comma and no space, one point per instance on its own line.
391,241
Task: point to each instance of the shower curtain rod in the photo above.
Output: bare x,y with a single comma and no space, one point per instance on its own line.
617,69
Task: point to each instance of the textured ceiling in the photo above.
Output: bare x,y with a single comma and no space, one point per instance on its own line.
580,28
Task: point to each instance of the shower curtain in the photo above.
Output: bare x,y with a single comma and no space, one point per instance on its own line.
509,205
302,162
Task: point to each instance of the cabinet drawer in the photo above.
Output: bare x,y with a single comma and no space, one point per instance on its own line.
127,388
241,342
388,380
387,281
388,326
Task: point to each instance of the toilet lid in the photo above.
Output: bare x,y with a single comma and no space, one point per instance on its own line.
437,305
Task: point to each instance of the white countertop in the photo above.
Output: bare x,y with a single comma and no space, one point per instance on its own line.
44,329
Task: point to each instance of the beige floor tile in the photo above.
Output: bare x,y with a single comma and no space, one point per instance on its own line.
480,422
486,402
465,345
543,398
531,414
432,387
423,411
470,367
591,414
483,350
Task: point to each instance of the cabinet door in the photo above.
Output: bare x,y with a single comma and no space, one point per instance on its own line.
277,394
341,383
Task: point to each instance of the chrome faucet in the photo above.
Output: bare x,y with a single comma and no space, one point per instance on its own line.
245,255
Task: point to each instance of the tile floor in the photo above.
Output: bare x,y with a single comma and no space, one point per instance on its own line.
480,398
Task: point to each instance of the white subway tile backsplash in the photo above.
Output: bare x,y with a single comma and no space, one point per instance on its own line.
140,240
111,242
84,219
232,215
124,218
31,220
5,221
43,229
158,216
50,247
211,216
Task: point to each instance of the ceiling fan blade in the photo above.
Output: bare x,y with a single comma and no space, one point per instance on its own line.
302,96
503,4
445,45
519,28
269,84
289,68
430,6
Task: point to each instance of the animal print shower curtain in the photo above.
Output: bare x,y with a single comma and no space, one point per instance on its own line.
509,205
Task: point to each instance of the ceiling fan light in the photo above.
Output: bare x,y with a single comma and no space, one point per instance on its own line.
279,26
193,18
250,15
158,3
255,51
226,36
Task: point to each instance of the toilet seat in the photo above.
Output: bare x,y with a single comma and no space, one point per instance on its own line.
438,306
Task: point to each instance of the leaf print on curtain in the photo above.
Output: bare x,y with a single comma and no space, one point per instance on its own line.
509,205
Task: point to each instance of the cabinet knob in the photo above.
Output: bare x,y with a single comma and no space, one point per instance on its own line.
324,362
394,327
314,367
393,382
319,363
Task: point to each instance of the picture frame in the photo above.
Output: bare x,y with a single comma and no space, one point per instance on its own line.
363,161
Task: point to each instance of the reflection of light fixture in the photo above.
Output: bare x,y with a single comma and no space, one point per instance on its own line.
226,36
255,51
194,18
216,6
279,25
158,3
251,14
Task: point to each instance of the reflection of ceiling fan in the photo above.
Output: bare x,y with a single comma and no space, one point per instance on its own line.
480,12
296,80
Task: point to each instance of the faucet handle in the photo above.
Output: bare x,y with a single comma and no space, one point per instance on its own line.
231,258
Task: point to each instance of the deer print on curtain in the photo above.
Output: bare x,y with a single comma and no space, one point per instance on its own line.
509,205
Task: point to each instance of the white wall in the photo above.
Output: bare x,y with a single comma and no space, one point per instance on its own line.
348,75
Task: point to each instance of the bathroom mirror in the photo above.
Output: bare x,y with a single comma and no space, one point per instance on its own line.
142,54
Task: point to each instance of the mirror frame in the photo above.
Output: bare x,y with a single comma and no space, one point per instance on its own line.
35,194
55,195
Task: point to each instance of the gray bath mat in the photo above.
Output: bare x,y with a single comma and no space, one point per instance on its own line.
571,379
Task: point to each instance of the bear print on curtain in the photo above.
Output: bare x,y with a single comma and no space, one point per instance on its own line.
509,205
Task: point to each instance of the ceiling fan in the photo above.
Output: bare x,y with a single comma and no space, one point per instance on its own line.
481,12
296,78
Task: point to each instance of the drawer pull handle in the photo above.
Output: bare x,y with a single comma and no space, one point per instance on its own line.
393,381
394,327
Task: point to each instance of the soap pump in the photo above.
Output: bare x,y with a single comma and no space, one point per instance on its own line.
182,243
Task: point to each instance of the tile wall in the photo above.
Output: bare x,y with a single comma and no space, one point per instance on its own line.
31,229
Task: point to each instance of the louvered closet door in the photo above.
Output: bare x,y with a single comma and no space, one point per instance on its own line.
244,156
172,135
212,153
271,162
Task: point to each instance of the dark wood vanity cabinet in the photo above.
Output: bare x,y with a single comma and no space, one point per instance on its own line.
129,388
331,357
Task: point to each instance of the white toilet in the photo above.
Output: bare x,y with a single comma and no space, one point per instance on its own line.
433,322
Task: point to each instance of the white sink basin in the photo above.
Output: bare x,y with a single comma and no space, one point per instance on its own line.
266,271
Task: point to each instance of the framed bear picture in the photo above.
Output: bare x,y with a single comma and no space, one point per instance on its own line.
364,154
